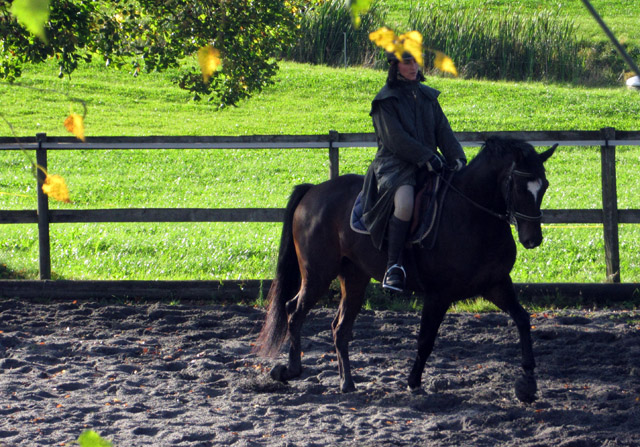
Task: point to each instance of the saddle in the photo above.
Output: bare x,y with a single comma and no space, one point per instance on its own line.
425,220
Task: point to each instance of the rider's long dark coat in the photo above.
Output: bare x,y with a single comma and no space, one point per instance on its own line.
410,125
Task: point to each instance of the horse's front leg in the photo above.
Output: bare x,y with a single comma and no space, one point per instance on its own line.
503,295
433,312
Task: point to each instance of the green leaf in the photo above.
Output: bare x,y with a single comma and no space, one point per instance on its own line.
90,438
358,7
32,14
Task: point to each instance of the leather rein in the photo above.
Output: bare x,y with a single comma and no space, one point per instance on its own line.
511,214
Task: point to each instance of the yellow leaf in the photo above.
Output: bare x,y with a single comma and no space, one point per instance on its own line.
414,36
209,60
387,40
444,63
412,43
55,187
32,14
75,124
384,38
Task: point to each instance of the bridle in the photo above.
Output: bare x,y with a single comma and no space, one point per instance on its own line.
511,215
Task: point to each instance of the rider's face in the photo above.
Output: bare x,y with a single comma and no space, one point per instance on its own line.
408,68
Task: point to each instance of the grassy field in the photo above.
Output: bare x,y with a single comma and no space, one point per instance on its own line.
622,16
304,100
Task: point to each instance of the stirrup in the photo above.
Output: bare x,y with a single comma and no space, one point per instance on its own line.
392,278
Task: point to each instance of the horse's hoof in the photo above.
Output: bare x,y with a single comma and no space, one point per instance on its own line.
279,373
347,387
414,385
415,390
526,388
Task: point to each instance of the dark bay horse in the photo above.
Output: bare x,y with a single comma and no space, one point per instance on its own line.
472,256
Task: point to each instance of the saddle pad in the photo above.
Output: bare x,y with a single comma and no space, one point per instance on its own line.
356,216
424,213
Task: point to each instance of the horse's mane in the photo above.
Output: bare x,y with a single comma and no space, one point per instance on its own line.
497,149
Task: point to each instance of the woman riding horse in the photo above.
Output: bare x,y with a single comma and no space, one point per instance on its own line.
472,256
410,125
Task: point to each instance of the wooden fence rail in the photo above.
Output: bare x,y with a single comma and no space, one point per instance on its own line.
607,139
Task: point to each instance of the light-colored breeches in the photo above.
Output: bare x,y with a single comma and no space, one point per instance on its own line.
403,202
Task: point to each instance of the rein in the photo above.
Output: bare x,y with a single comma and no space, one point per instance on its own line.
511,214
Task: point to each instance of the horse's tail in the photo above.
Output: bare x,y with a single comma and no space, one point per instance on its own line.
285,285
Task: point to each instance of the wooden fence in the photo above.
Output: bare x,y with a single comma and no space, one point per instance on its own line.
610,216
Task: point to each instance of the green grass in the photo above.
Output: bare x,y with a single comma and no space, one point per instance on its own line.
304,100
518,40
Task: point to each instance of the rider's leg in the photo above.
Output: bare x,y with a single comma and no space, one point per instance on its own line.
397,235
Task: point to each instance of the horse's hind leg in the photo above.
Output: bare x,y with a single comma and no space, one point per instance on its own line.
503,295
297,310
353,284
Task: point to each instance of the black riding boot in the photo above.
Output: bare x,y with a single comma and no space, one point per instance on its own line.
395,276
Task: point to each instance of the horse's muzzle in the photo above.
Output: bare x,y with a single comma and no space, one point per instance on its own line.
529,234
531,243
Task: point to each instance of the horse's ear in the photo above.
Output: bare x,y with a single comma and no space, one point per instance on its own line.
544,156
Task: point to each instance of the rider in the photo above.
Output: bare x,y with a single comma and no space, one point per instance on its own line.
409,125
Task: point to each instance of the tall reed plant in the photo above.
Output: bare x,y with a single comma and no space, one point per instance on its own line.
325,28
504,45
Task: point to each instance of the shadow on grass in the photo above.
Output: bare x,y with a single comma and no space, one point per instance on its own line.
6,272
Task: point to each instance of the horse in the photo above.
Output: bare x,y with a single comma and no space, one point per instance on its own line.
472,256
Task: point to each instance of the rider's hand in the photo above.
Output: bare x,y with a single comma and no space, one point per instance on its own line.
459,164
435,164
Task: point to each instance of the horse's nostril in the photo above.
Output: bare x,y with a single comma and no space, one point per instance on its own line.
532,243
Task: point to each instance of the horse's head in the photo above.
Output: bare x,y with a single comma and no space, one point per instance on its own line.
523,186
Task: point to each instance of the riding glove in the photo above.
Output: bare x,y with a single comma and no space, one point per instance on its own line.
435,164
460,163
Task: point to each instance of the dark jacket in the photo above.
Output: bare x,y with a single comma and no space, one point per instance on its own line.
410,125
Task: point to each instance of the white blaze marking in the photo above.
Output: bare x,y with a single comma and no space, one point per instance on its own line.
534,188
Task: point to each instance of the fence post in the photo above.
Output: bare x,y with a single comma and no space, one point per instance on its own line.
43,211
334,155
610,205
345,49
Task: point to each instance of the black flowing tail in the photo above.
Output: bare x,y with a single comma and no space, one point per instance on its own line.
285,285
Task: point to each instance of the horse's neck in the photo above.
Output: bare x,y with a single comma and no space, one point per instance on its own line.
481,185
